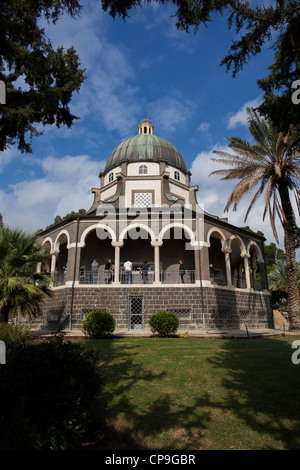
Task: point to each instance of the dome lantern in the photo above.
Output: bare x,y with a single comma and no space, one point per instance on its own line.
145,126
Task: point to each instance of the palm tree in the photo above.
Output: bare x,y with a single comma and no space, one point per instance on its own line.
272,164
22,288
277,278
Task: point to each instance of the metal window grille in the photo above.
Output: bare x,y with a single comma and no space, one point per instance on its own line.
54,315
142,199
85,311
182,313
262,315
225,314
244,314
136,313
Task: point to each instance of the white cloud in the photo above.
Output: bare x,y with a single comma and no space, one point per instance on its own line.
65,186
241,118
108,94
203,127
6,158
171,111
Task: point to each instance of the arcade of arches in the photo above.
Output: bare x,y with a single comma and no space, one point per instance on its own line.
220,261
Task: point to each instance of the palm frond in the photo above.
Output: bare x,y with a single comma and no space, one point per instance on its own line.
270,160
256,196
21,287
272,215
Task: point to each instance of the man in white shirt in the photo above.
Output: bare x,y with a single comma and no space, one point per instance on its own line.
128,271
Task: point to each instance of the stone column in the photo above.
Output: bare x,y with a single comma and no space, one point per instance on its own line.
263,275
197,263
254,270
156,245
73,263
228,266
117,246
54,255
247,273
203,258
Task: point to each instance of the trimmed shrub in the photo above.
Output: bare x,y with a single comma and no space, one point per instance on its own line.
164,323
14,335
99,324
47,392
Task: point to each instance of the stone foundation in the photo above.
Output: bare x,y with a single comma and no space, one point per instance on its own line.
222,307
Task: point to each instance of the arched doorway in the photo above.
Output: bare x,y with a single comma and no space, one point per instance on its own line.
256,276
217,258
137,249
97,247
173,249
61,259
237,264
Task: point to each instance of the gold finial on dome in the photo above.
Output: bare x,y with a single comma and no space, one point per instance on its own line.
145,126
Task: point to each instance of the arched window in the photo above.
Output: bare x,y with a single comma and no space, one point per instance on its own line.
143,170
110,177
176,175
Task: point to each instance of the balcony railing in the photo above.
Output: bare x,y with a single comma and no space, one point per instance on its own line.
166,277
174,277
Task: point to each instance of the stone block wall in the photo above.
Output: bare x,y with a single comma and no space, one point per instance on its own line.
222,308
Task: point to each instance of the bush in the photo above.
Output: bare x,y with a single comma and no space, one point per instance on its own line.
46,393
13,335
164,323
99,324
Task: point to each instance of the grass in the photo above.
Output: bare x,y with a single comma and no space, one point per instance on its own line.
197,394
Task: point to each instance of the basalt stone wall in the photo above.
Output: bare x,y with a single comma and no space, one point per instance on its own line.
222,308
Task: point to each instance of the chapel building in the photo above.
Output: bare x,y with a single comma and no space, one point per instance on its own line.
145,211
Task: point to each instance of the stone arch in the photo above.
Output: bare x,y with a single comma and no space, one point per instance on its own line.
174,238
216,241
222,236
240,241
47,245
61,244
177,225
98,226
95,246
61,233
50,241
238,256
255,247
136,225
136,247
256,266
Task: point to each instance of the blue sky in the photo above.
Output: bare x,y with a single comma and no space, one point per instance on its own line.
141,66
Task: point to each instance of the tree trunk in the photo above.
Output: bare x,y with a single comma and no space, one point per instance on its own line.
4,313
290,252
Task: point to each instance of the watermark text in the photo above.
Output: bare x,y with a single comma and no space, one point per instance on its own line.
296,93
2,92
296,354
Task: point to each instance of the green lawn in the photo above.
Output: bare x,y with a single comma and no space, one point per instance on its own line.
197,394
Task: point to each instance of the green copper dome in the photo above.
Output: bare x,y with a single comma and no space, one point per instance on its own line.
145,148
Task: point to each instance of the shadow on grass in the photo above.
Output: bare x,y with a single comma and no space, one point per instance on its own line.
127,425
259,387
263,388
